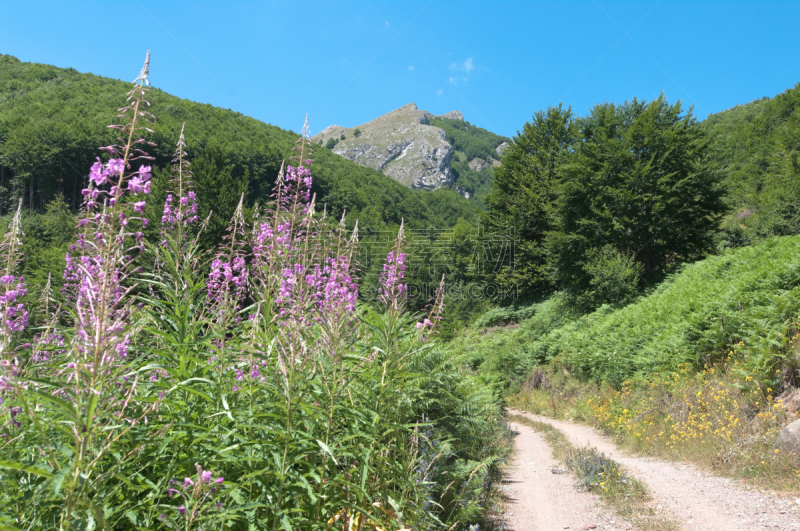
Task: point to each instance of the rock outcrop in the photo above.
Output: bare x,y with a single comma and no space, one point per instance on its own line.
455,115
402,144
501,149
789,439
478,164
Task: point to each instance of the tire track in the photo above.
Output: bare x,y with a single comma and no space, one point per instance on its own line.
539,500
698,500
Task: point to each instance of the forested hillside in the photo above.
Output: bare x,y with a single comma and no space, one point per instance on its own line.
756,146
471,142
52,120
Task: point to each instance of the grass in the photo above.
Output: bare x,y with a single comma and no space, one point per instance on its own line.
595,472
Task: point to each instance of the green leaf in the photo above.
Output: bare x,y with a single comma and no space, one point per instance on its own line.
59,479
327,450
100,516
396,508
38,470
365,468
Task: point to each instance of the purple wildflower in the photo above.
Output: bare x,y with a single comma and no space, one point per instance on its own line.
392,288
184,213
426,323
227,282
13,315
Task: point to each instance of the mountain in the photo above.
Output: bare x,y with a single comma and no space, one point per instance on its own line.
420,150
475,152
53,119
401,144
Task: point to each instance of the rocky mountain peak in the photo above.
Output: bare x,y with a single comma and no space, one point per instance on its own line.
401,143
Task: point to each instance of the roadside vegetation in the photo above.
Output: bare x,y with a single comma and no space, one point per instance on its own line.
705,368
720,418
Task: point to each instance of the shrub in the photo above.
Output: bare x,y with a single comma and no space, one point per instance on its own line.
342,137
331,143
614,277
696,316
357,132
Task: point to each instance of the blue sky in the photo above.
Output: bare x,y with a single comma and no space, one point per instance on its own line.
348,62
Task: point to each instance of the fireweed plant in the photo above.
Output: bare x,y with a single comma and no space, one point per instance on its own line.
239,388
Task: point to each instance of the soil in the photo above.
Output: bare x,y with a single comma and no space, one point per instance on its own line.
696,499
539,500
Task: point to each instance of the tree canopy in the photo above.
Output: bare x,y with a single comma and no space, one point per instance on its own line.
524,191
629,182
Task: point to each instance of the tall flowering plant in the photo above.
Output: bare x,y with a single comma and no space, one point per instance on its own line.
175,304
96,274
256,360
90,388
13,320
13,314
393,290
180,206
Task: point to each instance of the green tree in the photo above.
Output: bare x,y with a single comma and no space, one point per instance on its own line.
638,181
217,189
756,146
331,143
522,199
357,132
613,277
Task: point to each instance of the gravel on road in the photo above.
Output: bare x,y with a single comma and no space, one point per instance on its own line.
696,499
539,500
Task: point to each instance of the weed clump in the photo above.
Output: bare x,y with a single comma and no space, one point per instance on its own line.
594,470
174,386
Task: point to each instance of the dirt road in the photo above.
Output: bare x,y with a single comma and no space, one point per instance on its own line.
539,500
697,500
